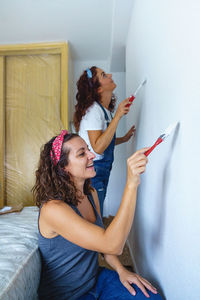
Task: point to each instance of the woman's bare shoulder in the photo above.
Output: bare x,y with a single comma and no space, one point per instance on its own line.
54,203
53,207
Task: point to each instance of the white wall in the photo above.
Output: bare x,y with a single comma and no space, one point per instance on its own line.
118,173
80,22
164,45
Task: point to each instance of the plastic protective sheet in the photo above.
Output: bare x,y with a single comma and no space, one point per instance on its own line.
20,264
32,117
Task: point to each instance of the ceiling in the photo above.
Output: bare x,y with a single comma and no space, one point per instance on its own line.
95,29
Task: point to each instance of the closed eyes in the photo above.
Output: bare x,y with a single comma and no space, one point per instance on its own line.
83,153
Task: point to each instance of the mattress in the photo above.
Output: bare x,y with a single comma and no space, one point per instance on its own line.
20,264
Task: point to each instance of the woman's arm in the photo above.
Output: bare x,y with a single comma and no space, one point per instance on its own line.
126,137
62,220
101,140
127,278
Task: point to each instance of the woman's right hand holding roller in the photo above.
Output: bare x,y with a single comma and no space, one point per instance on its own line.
136,165
122,108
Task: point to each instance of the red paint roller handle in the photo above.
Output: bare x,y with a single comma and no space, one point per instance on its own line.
159,140
132,97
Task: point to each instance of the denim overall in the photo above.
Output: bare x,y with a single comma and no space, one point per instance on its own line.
103,167
109,287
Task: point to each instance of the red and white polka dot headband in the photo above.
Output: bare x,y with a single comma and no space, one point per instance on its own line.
57,146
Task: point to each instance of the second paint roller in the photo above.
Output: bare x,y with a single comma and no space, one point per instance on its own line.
161,138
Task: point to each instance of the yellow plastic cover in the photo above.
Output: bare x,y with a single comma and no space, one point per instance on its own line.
32,117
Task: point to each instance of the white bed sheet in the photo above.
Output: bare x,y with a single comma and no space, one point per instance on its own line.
20,264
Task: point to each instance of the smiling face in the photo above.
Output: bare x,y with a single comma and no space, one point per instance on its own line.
105,80
80,164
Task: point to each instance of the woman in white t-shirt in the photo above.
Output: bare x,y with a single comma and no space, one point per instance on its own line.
94,122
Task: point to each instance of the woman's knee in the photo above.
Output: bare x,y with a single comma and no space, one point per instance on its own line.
110,287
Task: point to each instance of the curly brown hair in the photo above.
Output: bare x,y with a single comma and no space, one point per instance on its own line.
87,94
52,181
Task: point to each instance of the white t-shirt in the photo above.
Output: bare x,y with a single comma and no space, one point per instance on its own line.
94,119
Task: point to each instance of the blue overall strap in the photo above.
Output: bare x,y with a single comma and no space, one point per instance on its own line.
105,113
103,167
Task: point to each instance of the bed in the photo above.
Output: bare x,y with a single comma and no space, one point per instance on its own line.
20,264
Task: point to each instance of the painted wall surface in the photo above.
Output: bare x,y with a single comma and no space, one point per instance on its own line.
164,45
117,178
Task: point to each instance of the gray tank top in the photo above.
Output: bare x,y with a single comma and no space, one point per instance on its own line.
68,270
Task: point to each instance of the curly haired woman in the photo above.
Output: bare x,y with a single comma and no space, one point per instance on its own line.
94,123
71,231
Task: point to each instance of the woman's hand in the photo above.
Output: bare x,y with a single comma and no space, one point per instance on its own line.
122,108
136,165
127,278
129,134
